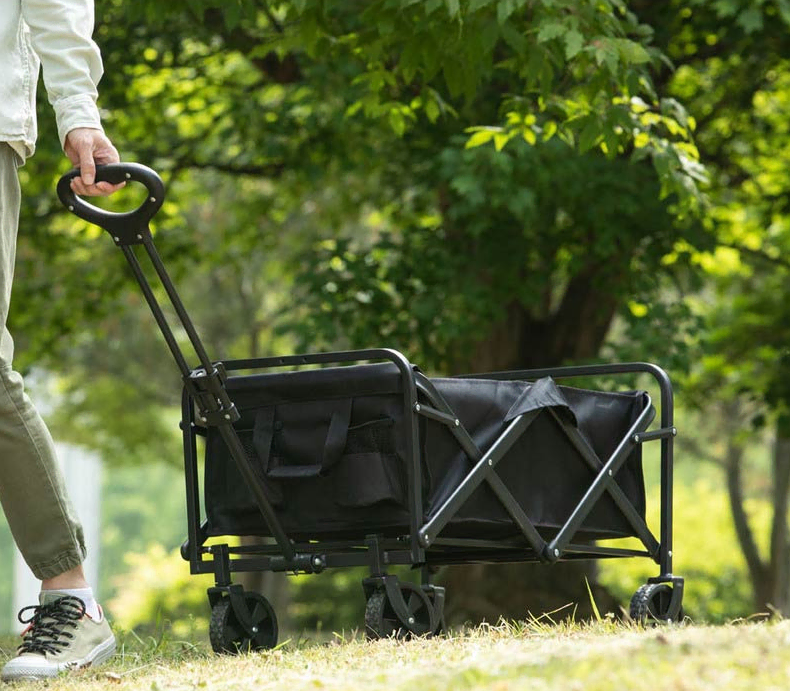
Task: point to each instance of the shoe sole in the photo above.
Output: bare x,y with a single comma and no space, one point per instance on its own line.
97,656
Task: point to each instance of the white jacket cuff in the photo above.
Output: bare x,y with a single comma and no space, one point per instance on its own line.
76,111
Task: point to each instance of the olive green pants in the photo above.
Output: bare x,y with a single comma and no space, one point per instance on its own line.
32,491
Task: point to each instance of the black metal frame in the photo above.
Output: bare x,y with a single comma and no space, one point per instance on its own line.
206,402
424,546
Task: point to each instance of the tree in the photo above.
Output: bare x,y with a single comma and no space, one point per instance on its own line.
732,62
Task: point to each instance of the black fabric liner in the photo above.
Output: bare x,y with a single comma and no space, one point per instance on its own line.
328,448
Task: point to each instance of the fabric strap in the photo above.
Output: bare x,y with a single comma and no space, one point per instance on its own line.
328,450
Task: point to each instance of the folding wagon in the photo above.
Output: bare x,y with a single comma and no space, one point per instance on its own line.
358,459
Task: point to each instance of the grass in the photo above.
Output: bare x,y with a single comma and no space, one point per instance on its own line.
603,656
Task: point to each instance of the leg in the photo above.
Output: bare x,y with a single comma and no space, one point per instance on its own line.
32,492
61,635
68,580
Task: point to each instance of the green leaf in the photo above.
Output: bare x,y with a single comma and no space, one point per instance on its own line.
455,77
232,14
500,139
751,20
432,111
574,42
453,8
784,10
514,38
549,130
481,137
591,132
606,51
504,9
397,122
551,30
633,52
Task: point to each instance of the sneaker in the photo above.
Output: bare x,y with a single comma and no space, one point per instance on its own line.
60,636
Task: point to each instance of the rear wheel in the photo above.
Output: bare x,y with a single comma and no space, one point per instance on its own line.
381,620
228,633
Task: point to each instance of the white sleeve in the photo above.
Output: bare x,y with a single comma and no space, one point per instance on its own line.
60,32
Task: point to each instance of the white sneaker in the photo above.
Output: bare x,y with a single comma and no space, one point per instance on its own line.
61,636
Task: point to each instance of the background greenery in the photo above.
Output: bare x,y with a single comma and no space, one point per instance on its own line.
484,184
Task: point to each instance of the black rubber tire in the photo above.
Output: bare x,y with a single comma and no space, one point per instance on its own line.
226,633
381,621
650,605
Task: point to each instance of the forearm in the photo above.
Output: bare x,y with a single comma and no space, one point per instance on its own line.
61,35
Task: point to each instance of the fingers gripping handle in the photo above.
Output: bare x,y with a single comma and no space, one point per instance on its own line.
127,228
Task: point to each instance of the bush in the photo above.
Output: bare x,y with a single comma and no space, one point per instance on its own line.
157,591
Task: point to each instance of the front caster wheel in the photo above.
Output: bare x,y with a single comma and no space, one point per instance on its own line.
254,628
382,621
656,603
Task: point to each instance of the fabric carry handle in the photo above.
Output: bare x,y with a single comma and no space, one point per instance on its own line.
334,443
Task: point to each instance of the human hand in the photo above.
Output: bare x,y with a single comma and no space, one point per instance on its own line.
85,148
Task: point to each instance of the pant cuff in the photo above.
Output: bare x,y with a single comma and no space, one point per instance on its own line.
64,562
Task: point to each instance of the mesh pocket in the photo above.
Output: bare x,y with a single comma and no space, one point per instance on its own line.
371,437
245,437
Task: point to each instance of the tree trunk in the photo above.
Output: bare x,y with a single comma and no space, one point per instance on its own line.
770,577
780,550
758,571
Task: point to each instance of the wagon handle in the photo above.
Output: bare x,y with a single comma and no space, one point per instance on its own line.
124,227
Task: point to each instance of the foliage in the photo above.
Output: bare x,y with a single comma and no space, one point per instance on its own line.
327,116
142,505
577,71
158,588
505,226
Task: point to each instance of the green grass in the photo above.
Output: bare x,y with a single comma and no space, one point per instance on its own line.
604,656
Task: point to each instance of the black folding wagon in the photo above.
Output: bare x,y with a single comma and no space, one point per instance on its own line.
358,459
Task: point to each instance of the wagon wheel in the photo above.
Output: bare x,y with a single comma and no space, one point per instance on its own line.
652,604
381,621
229,635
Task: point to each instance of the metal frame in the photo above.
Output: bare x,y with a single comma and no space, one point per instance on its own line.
424,544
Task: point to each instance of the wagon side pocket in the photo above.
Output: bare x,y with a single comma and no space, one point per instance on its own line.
370,470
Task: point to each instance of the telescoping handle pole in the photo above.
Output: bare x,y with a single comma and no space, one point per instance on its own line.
206,383
131,228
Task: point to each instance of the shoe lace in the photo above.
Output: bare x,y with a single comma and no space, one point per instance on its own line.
48,625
